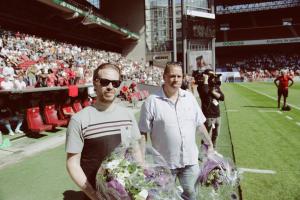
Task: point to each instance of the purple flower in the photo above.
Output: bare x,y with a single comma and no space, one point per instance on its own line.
114,184
149,172
207,168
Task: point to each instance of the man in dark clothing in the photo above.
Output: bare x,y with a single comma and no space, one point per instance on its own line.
7,116
210,94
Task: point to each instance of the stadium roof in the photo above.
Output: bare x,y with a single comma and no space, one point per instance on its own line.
57,19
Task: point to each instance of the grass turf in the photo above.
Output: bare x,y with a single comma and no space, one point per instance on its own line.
264,139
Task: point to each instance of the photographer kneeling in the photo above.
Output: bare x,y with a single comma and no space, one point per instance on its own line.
210,93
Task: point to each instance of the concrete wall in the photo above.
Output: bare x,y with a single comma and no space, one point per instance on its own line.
129,14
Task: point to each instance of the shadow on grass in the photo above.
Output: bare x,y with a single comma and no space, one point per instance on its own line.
259,106
35,135
73,195
55,130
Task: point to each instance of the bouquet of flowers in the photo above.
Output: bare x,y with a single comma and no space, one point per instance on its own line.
123,177
219,176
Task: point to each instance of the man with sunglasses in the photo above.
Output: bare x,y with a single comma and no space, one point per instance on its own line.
171,116
94,132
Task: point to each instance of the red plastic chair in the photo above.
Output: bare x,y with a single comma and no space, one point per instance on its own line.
65,109
51,117
87,102
77,106
35,122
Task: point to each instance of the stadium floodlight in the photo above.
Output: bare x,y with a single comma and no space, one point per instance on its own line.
287,21
224,27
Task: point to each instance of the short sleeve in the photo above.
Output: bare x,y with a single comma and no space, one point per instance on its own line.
146,118
200,118
74,138
135,132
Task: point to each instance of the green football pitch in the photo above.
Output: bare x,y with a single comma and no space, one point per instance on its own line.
262,140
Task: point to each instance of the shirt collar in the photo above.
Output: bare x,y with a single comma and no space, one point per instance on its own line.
162,94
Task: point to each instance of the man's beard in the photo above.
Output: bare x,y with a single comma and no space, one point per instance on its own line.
106,99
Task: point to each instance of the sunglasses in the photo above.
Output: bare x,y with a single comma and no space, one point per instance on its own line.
106,82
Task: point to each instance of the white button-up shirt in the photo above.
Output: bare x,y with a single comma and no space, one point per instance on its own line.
172,126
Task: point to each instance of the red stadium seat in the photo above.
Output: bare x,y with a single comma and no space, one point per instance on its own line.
65,112
87,102
35,122
51,117
77,106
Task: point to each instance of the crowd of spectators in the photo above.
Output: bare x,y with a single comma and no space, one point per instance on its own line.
260,67
31,61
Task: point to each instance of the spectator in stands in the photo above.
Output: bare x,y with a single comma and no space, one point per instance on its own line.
8,70
42,78
38,53
61,78
88,77
20,83
7,116
7,83
262,67
31,74
71,75
285,81
171,116
51,78
86,145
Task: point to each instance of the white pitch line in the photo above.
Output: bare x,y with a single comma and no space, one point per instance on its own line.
294,106
256,171
298,123
268,111
288,117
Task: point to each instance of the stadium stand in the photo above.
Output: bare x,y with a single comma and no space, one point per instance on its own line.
47,63
252,44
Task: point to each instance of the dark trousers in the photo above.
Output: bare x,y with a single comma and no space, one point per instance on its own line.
213,126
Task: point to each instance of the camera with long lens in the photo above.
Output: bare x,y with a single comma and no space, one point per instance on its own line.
213,79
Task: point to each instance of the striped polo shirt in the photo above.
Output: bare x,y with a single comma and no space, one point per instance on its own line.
95,134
